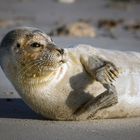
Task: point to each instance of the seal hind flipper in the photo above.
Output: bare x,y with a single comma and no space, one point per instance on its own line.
105,99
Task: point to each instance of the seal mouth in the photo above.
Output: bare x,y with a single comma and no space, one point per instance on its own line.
62,61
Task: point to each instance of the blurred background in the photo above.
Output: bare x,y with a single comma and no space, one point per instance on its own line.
77,21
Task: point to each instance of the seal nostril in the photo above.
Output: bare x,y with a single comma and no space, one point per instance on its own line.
61,51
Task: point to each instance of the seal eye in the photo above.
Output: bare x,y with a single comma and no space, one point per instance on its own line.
18,45
35,45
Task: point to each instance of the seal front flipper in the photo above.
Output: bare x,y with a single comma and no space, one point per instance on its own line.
104,72
100,69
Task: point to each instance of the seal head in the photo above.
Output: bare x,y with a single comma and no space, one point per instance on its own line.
29,52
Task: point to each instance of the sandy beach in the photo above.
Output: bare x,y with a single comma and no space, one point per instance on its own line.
17,120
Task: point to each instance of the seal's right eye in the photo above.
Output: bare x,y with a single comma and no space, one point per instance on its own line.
35,45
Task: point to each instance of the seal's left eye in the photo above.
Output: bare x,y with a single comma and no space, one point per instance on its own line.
18,45
35,45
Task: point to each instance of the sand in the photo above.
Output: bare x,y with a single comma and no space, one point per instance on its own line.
15,129
17,120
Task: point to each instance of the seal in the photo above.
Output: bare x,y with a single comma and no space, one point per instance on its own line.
78,83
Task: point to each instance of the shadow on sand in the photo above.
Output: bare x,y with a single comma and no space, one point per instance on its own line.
16,108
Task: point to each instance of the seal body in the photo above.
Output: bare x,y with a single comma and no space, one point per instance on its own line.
127,84
55,89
